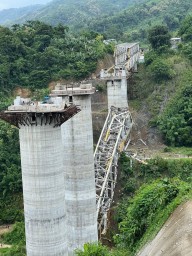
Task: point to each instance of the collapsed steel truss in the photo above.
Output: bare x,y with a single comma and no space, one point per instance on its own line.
112,141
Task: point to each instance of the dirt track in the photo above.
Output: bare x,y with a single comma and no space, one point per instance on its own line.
175,237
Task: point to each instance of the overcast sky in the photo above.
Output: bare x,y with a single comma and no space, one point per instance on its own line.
6,4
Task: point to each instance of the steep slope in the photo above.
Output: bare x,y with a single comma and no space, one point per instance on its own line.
73,12
175,238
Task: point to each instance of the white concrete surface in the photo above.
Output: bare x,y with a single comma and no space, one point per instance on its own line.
117,93
43,190
80,188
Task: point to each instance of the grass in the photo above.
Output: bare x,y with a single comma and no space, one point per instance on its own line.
179,150
135,104
3,250
183,150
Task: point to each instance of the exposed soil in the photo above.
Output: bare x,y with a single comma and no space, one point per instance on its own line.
175,237
5,229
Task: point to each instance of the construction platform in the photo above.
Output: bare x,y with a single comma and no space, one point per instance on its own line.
26,112
70,90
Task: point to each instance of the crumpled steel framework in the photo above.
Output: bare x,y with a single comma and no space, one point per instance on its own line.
113,140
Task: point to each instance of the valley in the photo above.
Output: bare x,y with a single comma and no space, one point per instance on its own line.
151,212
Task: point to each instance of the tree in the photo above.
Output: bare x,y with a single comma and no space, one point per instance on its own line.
176,120
93,250
172,21
187,50
161,70
186,29
159,37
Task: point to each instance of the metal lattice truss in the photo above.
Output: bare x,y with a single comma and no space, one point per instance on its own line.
113,140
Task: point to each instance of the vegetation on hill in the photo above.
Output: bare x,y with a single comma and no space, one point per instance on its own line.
162,187
16,238
8,16
133,23
72,13
122,20
176,121
35,53
149,194
11,205
166,88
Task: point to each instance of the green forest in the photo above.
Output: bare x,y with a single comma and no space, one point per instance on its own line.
34,54
122,20
133,23
72,13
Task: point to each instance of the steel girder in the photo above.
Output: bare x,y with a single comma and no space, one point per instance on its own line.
112,142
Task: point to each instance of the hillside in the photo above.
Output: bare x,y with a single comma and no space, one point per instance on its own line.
122,20
67,12
34,54
9,16
133,23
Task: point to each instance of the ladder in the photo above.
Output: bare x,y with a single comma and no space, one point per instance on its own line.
113,140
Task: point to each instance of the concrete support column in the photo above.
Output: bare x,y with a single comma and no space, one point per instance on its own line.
80,188
43,190
117,93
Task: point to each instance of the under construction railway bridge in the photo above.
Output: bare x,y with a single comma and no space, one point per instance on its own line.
115,135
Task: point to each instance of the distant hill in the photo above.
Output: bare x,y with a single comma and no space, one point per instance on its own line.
125,20
68,12
133,23
9,16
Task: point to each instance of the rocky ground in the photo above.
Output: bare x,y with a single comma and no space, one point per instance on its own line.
146,141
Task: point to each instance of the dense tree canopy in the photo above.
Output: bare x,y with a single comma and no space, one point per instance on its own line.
186,28
133,23
185,32
176,121
159,37
35,53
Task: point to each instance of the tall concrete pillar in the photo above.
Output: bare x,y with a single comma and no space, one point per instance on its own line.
80,190
43,178
117,90
43,190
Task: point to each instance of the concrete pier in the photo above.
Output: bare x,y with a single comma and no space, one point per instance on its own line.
117,90
126,58
43,190
42,175
78,160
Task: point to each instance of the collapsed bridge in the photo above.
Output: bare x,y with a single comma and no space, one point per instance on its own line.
68,192
115,135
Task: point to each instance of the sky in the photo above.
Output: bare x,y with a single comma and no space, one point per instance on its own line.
6,4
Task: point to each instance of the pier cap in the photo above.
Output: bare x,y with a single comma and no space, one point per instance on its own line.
25,112
72,89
